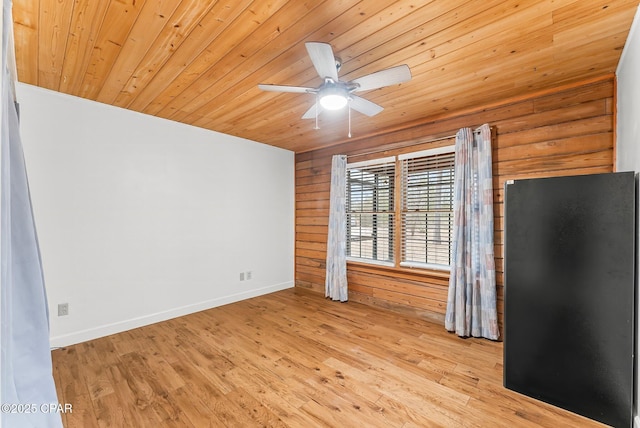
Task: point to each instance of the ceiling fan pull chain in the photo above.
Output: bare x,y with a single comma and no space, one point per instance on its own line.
317,127
349,107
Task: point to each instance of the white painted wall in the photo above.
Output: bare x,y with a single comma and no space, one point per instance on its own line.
142,219
628,135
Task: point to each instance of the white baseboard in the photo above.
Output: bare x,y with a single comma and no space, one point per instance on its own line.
118,327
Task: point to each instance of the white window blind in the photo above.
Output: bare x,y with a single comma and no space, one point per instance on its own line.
370,210
427,208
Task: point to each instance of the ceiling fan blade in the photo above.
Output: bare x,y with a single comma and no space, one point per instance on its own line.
365,106
379,79
285,88
311,113
323,59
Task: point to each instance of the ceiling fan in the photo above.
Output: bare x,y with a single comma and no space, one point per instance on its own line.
333,93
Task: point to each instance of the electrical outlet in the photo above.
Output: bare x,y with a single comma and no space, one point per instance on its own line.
63,309
249,275
241,276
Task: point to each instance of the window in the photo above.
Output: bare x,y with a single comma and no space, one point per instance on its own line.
424,212
427,208
370,210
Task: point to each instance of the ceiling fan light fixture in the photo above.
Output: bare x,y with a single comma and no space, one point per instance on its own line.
333,98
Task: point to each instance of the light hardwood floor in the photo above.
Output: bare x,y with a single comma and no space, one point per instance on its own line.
293,359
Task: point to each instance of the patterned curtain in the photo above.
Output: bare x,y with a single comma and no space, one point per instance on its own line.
336,280
471,305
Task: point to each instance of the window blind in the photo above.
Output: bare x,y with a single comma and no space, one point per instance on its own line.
427,209
370,210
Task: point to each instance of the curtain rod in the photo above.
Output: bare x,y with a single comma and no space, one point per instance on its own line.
448,137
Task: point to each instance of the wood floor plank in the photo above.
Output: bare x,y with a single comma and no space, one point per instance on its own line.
69,371
197,412
293,359
133,395
110,411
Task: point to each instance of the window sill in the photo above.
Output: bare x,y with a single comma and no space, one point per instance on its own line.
371,262
397,270
427,266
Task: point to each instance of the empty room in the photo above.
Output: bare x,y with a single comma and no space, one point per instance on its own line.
354,213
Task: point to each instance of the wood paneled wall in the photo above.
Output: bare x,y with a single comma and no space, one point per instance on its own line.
567,131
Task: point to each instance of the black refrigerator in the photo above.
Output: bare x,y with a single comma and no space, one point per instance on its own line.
569,293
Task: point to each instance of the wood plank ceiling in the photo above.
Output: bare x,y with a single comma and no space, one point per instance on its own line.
199,61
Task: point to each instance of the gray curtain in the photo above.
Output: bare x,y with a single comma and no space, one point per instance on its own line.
26,369
336,279
471,303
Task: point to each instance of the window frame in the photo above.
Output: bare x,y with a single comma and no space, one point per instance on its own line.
444,150
397,262
371,164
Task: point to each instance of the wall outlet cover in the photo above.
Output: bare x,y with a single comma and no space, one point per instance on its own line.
63,309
